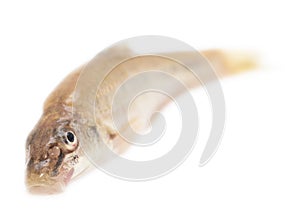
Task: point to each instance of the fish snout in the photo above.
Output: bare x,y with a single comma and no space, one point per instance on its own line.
43,184
41,189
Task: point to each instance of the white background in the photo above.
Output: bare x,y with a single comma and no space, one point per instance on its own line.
256,168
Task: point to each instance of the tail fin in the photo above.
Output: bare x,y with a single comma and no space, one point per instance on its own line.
231,62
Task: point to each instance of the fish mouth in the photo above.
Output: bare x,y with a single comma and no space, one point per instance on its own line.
47,186
44,189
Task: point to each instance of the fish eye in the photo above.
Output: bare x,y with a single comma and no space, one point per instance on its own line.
70,140
70,137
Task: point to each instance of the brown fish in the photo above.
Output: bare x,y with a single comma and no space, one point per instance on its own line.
54,155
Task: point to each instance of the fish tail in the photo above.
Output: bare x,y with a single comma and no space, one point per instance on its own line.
231,62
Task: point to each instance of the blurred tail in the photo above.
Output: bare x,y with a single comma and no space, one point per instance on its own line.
231,62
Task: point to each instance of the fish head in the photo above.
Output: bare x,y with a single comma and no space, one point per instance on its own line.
53,155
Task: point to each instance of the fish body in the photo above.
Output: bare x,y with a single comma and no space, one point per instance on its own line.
54,153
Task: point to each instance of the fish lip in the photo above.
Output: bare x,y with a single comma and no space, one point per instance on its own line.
50,185
44,189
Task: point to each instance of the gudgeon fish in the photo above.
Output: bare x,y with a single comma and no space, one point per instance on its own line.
54,155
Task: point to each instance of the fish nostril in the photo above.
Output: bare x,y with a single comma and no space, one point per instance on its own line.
54,152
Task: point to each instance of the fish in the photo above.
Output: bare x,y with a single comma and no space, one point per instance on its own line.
54,152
